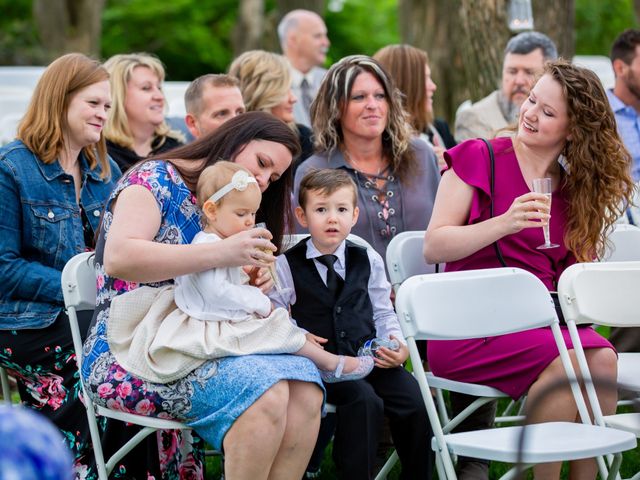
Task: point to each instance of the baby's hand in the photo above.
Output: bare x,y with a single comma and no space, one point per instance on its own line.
259,277
316,340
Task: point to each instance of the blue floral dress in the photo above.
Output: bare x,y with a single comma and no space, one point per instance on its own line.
212,396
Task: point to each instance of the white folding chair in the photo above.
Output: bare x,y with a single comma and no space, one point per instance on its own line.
624,246
603,293
481,303
292,239
405,257
79,291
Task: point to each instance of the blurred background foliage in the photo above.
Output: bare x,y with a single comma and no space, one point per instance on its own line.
195,37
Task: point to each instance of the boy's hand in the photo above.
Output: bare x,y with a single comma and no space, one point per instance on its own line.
316,340
387,358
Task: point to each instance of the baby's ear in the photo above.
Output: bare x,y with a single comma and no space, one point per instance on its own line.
210,209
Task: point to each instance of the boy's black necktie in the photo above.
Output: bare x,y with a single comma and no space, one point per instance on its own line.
334,282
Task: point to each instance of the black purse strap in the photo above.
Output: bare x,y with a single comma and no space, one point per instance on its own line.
492,181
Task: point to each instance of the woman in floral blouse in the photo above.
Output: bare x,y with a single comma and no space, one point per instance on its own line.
148,226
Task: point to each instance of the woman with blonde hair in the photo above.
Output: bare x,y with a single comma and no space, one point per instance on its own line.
265,82
566,133
54,179
409,67
136,127
360,126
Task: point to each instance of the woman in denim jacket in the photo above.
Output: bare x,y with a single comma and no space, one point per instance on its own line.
54,181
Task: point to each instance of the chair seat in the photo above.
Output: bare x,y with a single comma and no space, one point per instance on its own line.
143,420
629,422
628,368
545,442
463,387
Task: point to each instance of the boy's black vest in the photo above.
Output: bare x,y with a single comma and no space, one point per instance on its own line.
347,322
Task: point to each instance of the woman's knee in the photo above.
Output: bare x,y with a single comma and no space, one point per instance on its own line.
306,396
603,364
273,403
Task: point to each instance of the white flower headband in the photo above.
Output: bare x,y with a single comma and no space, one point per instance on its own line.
240,181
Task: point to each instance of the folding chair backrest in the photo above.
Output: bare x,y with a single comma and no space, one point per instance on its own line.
602,293
623,245
79,282
473,304
405,258
290,240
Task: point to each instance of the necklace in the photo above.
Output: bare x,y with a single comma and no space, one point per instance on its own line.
357,166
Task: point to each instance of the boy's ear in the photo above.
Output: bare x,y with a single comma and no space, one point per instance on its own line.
356,214
301,217
210,209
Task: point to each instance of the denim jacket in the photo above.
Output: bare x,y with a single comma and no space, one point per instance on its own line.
40,229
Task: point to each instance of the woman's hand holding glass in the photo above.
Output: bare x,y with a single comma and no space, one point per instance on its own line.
530,210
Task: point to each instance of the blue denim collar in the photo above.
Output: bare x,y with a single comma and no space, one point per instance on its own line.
54,170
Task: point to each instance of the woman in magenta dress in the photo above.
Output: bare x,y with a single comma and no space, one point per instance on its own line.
566,131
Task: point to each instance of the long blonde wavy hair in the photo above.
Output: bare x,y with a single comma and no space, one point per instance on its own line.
265,79
120,68
331,102
43,126
598,184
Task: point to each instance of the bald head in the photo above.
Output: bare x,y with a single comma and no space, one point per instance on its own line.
303,38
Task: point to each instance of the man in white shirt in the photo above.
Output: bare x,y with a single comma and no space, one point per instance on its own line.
304,41
524,58
211,100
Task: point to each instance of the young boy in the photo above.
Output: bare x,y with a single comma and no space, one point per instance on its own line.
338,292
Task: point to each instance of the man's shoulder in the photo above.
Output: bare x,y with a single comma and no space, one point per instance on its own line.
488,102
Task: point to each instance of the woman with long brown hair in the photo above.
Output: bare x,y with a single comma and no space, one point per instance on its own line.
566,132
411,72
149,222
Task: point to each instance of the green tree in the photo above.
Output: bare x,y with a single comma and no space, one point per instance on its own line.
190,37
598,23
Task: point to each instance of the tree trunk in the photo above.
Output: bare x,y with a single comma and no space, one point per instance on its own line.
249,29
484,35
434,27
556,19
69,25
636,9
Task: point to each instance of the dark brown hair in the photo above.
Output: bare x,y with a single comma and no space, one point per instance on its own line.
226,142
325,182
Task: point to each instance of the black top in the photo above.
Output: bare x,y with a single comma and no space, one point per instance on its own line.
126,158
305,137
443,129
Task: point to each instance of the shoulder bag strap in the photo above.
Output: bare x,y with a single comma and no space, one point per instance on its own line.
492,181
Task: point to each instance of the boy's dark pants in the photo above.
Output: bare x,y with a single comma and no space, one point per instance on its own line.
360,408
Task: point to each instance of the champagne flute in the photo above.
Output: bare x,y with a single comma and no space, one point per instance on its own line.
543,185
272,267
